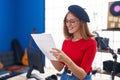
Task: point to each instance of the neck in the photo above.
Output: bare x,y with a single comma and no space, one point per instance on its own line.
76,37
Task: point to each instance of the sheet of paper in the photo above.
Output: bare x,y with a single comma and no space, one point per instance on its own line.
45,42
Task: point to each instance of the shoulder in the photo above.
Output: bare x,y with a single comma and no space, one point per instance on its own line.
89,42
66,40
92,41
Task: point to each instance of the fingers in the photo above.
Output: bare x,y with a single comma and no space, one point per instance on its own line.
57,57
55,52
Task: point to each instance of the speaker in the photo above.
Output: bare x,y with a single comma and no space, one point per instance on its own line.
113,15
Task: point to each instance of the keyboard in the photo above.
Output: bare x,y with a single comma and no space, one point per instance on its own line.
4,73
7,74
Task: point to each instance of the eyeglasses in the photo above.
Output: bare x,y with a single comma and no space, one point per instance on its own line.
72,22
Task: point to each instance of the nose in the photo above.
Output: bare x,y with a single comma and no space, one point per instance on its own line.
68,24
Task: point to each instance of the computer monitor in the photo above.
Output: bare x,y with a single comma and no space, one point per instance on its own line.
35,62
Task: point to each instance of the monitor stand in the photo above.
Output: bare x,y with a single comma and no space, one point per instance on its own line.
29,75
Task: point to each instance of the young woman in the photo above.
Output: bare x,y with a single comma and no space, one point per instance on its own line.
79,47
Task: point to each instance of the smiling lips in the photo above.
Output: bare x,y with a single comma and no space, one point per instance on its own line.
70,28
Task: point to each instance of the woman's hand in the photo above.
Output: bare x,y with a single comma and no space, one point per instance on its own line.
60,55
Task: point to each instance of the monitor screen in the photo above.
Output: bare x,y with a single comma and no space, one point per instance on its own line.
35,62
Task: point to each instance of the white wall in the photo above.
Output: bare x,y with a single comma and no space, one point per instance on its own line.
55,11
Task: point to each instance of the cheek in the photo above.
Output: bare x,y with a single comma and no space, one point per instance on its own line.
74,29
77,27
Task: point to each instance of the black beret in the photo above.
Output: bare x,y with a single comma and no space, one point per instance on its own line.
79,12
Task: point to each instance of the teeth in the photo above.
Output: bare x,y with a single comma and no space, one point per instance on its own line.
70,28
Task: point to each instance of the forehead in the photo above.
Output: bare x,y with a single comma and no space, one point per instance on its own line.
71,16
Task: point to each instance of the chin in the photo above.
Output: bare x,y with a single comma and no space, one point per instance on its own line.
71,32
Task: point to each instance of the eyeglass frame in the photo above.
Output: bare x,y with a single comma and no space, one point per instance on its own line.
72,21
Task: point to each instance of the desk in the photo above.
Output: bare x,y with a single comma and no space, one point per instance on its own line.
48,72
